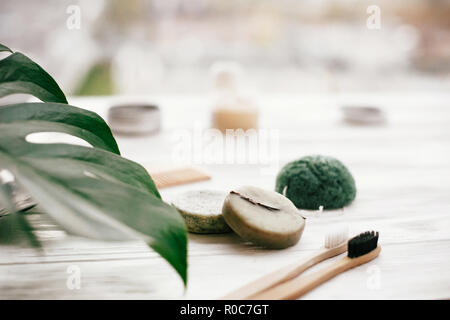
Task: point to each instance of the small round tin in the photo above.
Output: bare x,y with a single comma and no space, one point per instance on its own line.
364,115
134,119
20,199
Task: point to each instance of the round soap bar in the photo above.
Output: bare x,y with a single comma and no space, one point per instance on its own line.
263,217
202,211
315,181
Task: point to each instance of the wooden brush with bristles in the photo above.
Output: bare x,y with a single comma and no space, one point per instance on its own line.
361,249
335,243
174,177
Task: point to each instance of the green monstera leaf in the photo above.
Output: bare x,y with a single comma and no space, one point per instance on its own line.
21,75
88,191
4,48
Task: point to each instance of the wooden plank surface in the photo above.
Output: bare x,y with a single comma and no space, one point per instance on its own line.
402,171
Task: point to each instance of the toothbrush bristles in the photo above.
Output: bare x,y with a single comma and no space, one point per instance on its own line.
336,237
362,244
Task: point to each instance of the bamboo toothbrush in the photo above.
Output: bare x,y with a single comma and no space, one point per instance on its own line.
335,243
361,249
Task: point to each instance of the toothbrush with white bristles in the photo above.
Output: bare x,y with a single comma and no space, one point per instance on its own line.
361,249
335,243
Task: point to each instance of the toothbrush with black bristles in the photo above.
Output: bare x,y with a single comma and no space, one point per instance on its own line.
335,243
361,249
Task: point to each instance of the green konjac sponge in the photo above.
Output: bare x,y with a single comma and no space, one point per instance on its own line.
315,181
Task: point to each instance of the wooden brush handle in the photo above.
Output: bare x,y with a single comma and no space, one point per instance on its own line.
249,290
299,286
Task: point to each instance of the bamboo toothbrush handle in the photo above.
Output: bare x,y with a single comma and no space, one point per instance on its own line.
281,275
299,286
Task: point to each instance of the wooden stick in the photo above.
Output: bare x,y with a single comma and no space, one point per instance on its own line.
281,275
178,176
299,286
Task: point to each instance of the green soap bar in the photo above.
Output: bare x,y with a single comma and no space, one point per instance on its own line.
315,181
263,217
202,211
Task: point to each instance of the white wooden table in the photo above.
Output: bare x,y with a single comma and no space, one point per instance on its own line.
402,171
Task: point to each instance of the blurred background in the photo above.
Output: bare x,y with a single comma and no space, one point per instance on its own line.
283,46
364,81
